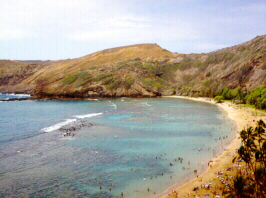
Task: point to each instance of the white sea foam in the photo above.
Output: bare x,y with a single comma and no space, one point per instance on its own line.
23,95
145,104
88,115
68,121
19,95
114,105
68,138
92,99
58,125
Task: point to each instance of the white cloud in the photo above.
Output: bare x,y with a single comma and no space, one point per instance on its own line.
134,29
124,28
85,21
98,23
128,22
44,17
11,34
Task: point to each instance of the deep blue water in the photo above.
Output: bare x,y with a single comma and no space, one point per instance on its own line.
126,142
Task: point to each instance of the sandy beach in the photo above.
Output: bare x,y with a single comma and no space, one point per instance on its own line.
211,182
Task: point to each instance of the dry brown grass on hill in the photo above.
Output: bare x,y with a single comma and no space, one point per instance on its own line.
156,72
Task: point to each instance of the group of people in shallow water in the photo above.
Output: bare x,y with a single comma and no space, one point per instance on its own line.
179,159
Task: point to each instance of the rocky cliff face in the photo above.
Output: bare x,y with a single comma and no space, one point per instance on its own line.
242,65
144,70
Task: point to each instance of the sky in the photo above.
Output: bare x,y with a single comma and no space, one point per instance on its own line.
62,29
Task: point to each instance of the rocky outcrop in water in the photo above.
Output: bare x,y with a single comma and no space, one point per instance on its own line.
70,129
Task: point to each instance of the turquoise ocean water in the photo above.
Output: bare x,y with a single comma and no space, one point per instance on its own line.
136,146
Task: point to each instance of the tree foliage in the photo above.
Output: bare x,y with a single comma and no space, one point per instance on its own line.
256,97
251,182
219,99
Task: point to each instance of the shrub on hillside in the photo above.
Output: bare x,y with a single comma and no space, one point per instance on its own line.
83,82
128,82
70,79
208,74
219,99
101,76
114,84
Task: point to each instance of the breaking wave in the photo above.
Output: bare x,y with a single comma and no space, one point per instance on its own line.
68,121
88,115
58,125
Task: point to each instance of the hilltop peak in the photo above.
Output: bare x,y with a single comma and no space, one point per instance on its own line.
135,47
139,70
117,54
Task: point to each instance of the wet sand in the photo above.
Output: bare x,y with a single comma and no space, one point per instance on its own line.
243,118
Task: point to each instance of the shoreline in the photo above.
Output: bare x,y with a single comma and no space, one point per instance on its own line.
222,161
